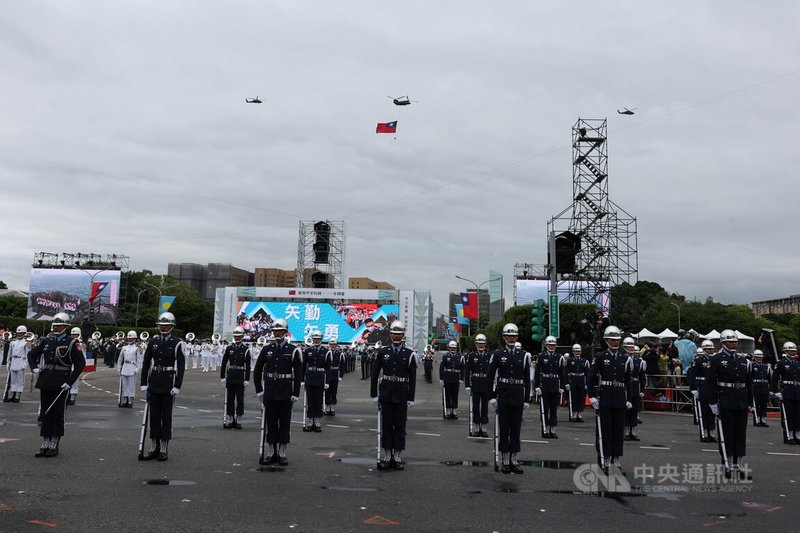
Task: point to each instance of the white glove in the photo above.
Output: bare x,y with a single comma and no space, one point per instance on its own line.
641,395
143,388
566,387
538,391
696,394
561,391
628,405
493,403
714,408
461,381
374,400
66,386
294,399
526,405
409,404
246,383
468,389
779,396
340,379
326,386
259,394
36,370
222,381
441,382
175,391
595,403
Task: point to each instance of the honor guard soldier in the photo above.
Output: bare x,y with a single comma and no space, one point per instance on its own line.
235,376
728,382
280,366
62,364
574,369
762,379
75,333
427,363
336,365
478,386
509,372
608,385
315,359
162,377
364,357
696,377
129,362
786,388
396,369
451,375
547,382
635,392
18,349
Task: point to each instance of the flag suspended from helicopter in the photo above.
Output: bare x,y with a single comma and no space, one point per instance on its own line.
386,127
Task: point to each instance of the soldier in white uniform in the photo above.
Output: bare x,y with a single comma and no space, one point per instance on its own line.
17,361
75,333
129,361
205,355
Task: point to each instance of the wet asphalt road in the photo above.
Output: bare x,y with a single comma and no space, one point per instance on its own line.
212,481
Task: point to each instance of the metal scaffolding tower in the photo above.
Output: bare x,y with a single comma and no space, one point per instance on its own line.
595,239
320,254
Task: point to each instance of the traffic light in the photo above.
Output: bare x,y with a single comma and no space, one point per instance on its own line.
538,322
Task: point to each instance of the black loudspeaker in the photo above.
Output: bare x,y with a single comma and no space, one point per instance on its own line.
322,232
567,247
320,280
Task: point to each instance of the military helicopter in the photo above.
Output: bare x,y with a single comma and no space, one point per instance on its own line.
401,100
627,111
252,100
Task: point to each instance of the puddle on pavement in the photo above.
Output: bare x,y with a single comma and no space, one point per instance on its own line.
349,489
173,482
465,463
556,465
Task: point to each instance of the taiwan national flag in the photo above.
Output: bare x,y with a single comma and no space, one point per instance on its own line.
97,288
386,127
470,302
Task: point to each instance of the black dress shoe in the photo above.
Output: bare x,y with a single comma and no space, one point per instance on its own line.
306,429
635,437
149,454
727,473
553,435
41,452
317,429
399,465
283,461
455,416
483,434
516,469
51,452
162,456
383,465
505,469
764,425
237,425
6,400
627,437
227,425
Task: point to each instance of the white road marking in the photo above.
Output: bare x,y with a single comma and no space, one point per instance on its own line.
536,441
427,434
336,426
653,448
781,453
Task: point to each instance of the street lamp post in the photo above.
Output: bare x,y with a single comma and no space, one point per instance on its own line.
478,292
678,307
160,288
136,318
91,285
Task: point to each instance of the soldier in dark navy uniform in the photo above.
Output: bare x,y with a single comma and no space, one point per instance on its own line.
61,365
162,377
427,363
786,388
235,376
336,365
635,393
396,369
509,372
451,376
729,391
547,383
280,366
762,378
696,379
315,359
608,385
574,370
478,386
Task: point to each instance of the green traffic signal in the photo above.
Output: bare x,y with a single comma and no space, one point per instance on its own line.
538,321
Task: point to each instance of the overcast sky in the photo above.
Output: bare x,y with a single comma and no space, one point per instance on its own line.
124,129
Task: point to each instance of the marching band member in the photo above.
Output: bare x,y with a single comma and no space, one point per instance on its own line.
62,364
206,352
17,361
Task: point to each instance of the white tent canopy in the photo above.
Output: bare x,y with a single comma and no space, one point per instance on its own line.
747,344
646,335
667,334
712,335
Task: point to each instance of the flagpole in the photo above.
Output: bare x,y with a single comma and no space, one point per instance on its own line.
477,294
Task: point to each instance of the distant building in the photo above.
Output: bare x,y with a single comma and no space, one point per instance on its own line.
275,277
780,306
367,283
206,279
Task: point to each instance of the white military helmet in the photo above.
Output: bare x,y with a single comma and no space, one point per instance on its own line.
510,329
279,324
707,344
629,342
550,340
333,340
75,331
238,330
758,353
480,337
316,334
132,335
22,329
699,351
166,319
728,335
577,348
397,327
789,346
61,319
612,332
452,344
